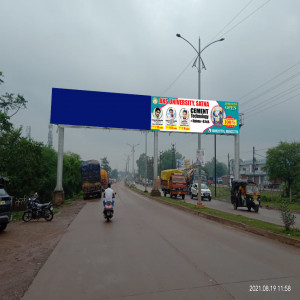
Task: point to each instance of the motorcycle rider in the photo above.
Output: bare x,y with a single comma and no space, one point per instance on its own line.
109,195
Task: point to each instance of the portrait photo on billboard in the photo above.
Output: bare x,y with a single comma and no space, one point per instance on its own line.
217,115
171,113
157,113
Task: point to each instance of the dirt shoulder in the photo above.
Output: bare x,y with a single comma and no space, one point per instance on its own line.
25,247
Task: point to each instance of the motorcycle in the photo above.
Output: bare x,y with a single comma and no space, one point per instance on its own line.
36,210
108,210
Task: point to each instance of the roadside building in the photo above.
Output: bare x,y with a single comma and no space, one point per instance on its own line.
254,172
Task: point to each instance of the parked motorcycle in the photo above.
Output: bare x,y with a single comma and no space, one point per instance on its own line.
108,210
36,210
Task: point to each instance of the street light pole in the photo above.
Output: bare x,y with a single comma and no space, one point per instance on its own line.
199,51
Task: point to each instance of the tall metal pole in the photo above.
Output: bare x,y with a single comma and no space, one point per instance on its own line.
58,195
199,202
146,161
237,157
60,158
253,166
155,191
215,165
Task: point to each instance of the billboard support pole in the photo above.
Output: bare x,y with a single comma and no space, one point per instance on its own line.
58,194
146,161
155,191
237,157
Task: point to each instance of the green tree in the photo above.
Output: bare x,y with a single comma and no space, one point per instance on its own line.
209,168
71,174
141,164
47,180
114,174
21,159
166,160
283,162
9,106
105,165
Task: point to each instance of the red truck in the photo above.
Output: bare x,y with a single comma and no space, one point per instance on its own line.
173,182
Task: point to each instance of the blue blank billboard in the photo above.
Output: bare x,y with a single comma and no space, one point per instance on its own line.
100,109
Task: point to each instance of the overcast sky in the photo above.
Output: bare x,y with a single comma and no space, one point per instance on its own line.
130,46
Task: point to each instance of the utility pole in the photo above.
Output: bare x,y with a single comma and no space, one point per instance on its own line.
160,161
50,136
228,167
132,151
28,132
253,164
173,156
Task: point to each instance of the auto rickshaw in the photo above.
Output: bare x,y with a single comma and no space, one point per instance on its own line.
245,194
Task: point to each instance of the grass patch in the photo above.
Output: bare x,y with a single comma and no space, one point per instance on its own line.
294,233
17,215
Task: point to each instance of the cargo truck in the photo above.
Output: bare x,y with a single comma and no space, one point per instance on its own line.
104,179
91,179
173,182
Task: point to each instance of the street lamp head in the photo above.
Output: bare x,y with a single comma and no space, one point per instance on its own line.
178,35
222,39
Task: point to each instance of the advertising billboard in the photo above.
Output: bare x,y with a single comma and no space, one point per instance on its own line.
141,112
190,115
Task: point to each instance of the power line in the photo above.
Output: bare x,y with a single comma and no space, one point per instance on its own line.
259,154
232,19
247,17
272,106
271,99
178,77
273,88
276,76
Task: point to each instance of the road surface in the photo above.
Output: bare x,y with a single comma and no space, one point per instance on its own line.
153,251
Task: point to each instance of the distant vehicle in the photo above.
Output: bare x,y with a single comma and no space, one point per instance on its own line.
220,180
104,179
245,194
190,177
173,182
5,205
205,191
91,179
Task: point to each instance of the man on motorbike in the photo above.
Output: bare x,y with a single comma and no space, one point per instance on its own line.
109,195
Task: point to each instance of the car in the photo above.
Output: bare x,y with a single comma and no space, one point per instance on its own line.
205,191
5,205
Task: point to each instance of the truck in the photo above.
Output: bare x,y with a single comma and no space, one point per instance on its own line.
104,179
190,176
5,204
91,179
173,182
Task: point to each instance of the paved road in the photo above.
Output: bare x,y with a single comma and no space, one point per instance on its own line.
152,251
264,214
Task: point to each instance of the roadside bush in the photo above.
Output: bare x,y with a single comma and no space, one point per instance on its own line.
287,216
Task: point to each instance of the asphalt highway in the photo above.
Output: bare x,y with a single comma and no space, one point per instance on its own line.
153,251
